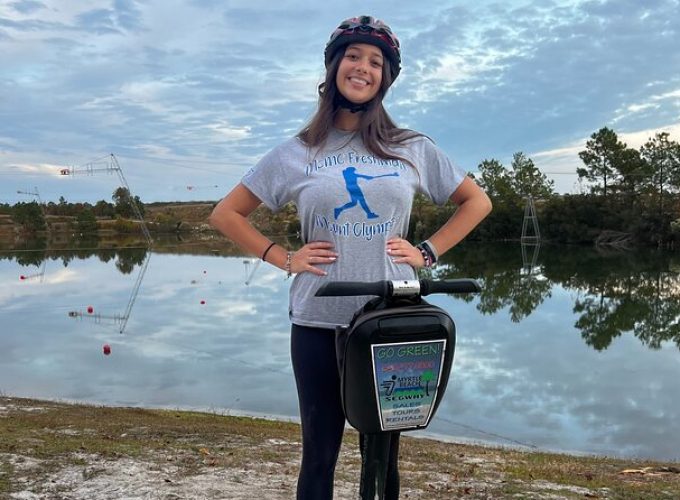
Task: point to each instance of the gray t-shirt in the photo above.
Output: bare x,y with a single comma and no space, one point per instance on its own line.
355,200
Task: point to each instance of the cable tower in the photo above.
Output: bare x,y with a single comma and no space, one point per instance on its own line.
37,196
530,230
531,238
530,253
109,164
121,319
41,273
250,271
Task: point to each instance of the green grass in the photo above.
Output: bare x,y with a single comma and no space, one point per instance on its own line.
595,473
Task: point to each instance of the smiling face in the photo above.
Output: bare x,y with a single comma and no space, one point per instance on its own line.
360,72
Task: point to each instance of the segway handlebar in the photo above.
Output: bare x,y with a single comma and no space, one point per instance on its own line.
397,288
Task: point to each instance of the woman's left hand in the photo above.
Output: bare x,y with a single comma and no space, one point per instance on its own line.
402,252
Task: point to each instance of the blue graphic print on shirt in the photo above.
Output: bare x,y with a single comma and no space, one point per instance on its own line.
355,194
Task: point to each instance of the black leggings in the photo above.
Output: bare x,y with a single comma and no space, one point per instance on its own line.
323,421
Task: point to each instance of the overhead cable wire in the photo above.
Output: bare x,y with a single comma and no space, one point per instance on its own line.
487,433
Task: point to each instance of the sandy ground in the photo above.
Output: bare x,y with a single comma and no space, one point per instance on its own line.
132,479
128,478
57,451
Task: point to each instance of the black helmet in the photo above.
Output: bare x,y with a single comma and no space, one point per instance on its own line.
366,29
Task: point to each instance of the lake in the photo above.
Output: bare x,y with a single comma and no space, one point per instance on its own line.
566,348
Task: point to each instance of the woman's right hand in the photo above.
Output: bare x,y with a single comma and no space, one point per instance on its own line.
313,254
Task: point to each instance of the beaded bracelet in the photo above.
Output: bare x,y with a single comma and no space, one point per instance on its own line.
428,255
289,257
431,250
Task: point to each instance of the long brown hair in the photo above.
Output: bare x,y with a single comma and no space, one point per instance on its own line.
378,131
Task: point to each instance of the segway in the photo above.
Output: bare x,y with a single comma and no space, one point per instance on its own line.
394,360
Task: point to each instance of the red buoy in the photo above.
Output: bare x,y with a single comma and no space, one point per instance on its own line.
202,302
90,309
106,349
22,277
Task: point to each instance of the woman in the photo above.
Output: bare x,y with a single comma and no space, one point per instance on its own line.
352,175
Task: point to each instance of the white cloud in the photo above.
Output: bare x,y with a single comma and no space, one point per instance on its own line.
235,308
640,137
148,94
62,276
155,150
636,108
225,131
653,102
39,169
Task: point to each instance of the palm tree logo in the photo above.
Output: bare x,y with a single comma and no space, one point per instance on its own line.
427,377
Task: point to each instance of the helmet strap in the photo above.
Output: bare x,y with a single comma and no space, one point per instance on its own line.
342,102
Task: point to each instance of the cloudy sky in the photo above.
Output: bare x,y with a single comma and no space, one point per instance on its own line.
188,94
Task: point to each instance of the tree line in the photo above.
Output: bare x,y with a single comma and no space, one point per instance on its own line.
630,193
31,215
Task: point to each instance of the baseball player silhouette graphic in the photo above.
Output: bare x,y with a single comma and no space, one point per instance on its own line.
356,195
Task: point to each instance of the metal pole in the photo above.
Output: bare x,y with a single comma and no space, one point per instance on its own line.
374,458
134,206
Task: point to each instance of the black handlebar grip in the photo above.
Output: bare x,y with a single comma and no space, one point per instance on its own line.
463,285
353,288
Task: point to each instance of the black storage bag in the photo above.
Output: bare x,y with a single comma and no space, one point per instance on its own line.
387,321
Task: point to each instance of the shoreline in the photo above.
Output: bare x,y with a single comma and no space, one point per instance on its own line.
56,450
508,444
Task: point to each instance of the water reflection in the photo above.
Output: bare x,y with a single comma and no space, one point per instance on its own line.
615,292
125,266
579,354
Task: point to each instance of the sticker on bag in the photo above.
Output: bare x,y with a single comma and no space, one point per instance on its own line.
407,376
